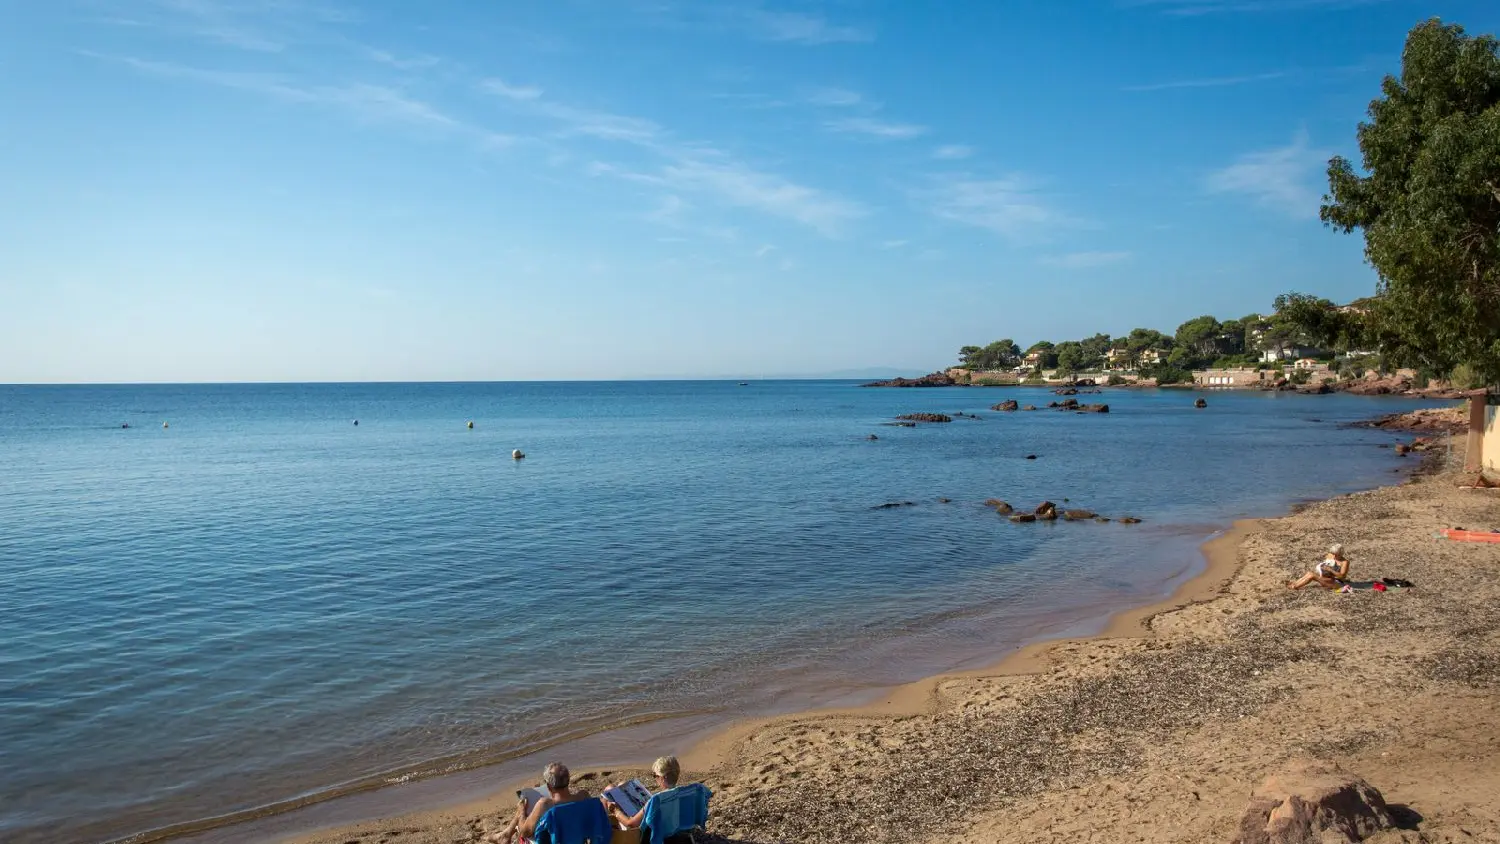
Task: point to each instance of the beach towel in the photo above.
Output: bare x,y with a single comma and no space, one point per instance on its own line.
578,822
675,810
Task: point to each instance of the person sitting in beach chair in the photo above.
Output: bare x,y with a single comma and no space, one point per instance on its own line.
1331,572
535,820
670,811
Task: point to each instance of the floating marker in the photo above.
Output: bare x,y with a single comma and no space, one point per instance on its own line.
471,424
516,454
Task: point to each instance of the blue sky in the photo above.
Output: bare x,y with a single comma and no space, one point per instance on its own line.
206,190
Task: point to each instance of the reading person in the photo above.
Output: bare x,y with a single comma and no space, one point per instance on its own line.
1330,572
555,777
666,770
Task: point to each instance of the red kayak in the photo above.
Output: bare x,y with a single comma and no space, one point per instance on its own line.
1471,535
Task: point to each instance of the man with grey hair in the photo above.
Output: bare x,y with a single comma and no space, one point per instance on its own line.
555,778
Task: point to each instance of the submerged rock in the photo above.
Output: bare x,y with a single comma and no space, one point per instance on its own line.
1128,520
1046,510
1078,515
1022,517
890,504
925,417
1001,507
1200,403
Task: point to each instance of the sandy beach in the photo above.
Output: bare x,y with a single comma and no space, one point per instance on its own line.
1158,729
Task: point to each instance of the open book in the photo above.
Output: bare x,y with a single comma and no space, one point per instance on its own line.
532,796
630,797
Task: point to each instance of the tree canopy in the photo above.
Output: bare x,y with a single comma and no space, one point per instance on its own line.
1428,202
1001,354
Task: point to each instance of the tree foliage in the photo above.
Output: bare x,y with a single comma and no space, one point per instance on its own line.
1001,354
1428,202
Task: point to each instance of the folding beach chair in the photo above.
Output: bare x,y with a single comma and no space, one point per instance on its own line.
680,809
578,822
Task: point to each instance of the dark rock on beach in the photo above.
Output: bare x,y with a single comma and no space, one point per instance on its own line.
1313,801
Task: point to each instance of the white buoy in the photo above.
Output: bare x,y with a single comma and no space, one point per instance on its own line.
471,424
516,454
165,425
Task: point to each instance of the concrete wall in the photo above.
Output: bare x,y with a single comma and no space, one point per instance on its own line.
1228,378
1491,448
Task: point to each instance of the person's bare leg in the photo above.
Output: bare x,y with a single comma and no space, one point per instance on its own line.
505,835
1302,581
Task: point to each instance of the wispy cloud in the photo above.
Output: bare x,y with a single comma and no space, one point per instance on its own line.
1011,207
1285,179
515,92
1208,82
1192,8
952,152
801,28
1084,260
835,97
692,168
257,25
416,62
876,128
366,102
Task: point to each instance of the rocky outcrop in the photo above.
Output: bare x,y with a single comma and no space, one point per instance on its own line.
936,379
1007,406
1047,511
1000,507
1312,802
1022,517
1447,420
1128,520
1200,403
1065,404
1094,408
1079,515
924,417
1065,391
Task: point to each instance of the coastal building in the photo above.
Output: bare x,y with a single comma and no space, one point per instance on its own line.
1278,353
1230,379
1309,364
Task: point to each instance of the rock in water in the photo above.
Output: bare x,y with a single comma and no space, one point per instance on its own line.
1007,406
1022,517
1095,408
890,504
1029,407
1129,520
925,417
1078,515
1313,802
1200,403
1046,510
1001,507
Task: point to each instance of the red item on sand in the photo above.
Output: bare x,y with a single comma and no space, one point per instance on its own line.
1378,587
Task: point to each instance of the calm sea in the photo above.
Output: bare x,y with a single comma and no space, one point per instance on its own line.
265,600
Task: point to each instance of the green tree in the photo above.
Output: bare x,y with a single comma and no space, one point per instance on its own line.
968,356
1428,202
1201,336
1070,357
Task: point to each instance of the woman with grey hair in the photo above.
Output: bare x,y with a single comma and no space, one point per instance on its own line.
666,770
1331,572
556,778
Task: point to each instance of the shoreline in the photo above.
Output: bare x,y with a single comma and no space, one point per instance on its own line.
713,746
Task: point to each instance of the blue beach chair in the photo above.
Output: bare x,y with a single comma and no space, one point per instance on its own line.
680,809
578,822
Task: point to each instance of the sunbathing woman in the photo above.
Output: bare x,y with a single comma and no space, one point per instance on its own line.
1330,573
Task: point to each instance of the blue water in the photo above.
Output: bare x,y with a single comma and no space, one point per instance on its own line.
265,600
